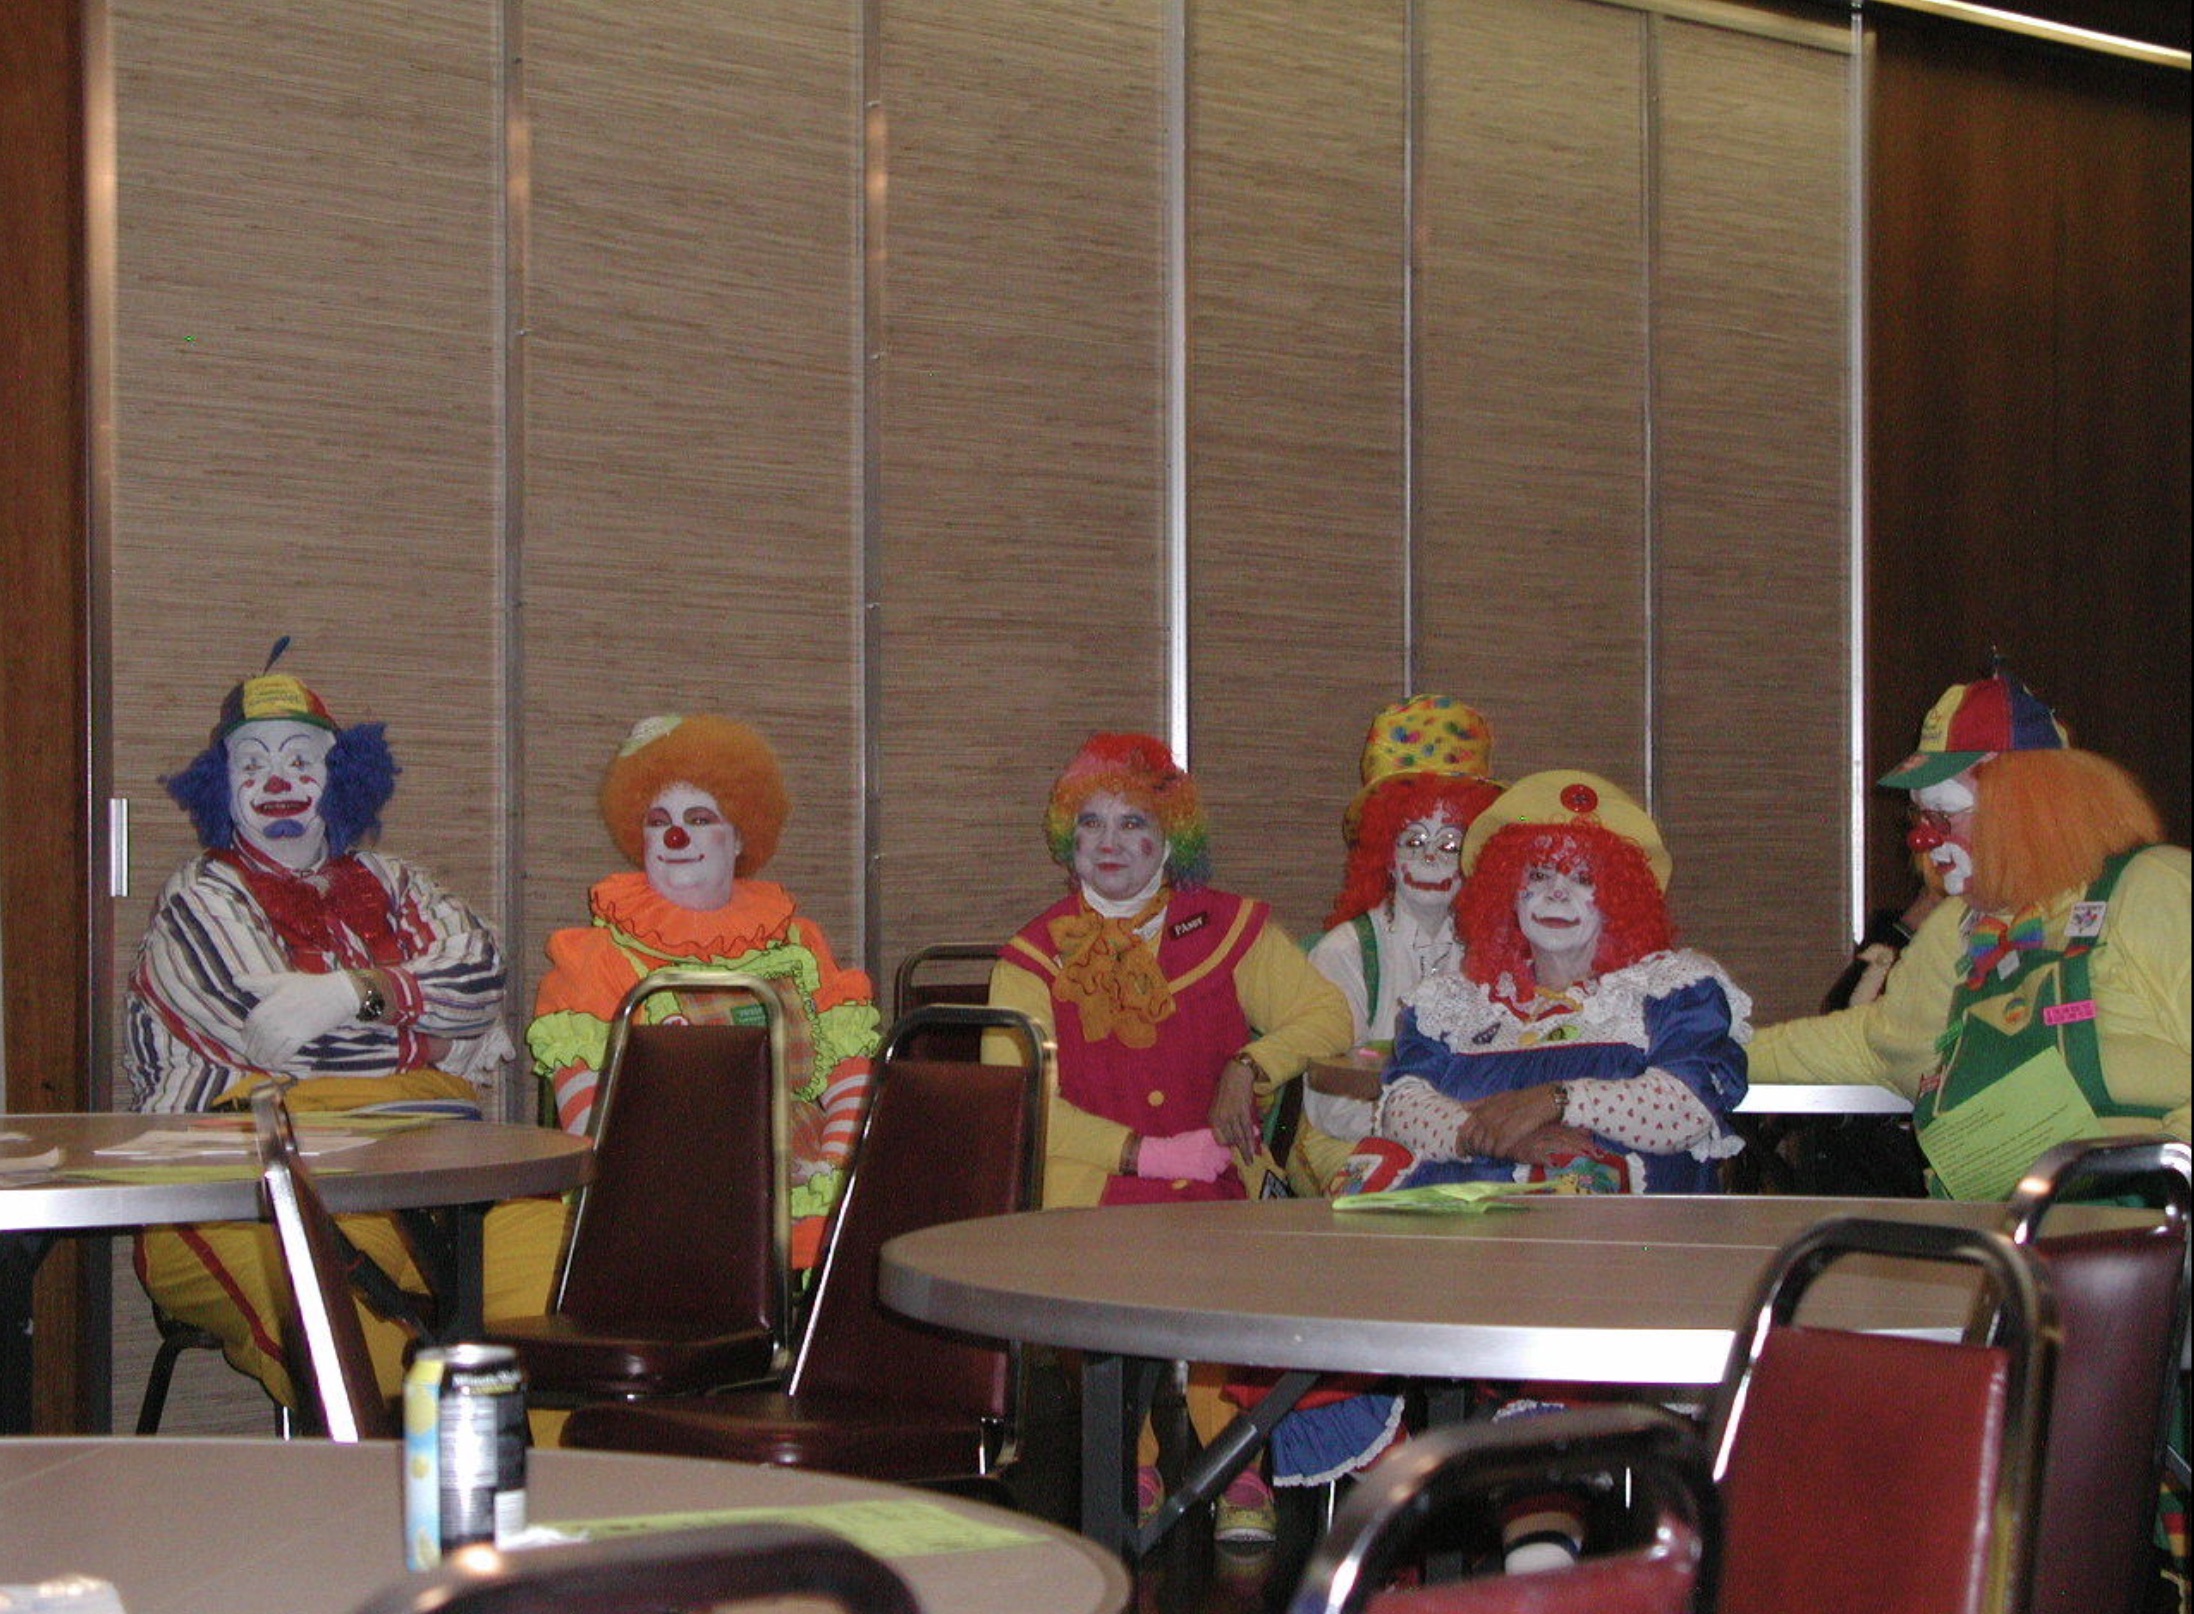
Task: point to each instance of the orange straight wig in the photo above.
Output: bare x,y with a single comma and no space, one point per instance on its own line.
2045,822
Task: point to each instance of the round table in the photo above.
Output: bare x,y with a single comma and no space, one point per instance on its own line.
311,1527
1596,1289
441,1175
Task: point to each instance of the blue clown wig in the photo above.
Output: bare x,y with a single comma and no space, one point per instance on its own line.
361,778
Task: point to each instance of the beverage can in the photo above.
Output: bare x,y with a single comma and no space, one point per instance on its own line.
464,1450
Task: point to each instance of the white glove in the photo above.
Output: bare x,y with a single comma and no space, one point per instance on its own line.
294,1007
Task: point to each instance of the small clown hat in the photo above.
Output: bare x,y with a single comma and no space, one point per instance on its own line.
1562,797
271,696
1973,722
1434,734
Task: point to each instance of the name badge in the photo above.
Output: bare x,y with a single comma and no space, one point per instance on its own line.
2063,1014
2086,922
1187,926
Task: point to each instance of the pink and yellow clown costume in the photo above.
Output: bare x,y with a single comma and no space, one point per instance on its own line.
637,929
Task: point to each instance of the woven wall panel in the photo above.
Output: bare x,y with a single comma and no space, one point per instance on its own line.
1298,124
1531,350
304,371
305,429
1018,443
1752,393
690,482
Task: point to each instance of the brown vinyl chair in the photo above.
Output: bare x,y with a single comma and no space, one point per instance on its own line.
330,1364
1866,1473
1656,1536
940,974
872,1393
676,1276
1852,1473
2121,1300
661,1573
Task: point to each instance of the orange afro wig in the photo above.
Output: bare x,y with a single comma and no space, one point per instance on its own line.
2045,822
727,759
1394,803
1635,912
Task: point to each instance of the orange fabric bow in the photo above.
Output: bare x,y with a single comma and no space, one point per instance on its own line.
1111,975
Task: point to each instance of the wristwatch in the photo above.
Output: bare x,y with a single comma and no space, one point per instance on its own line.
1561,1100
371,1003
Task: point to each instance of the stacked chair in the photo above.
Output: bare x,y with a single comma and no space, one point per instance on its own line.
871,1393
1851,1473
676,1277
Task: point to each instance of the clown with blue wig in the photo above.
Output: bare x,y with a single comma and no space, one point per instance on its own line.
286,949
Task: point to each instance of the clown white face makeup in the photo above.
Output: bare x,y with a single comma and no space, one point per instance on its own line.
1944,833
278,770
1559,913
1428,868
1118,848
692,849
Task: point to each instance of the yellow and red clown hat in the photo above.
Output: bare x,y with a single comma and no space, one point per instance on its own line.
1563,798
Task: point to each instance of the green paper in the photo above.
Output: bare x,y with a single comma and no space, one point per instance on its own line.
889,1529
1442,1198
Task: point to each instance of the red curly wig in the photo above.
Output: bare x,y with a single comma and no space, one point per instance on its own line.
1399,801
2045,822
728,760
1636,914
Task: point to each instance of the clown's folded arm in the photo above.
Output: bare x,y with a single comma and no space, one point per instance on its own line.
208,937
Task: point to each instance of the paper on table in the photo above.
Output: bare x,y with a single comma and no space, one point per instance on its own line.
1443,1199
160,1144
889,1528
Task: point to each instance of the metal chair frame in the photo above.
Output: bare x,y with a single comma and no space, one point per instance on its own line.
2024,1326
902,978
700,978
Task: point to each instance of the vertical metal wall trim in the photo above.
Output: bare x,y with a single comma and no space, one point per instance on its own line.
1859,87
1649,129
1176,379
101,266
516,157
869,248
1413,100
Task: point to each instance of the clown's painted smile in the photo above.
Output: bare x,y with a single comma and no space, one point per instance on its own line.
278,769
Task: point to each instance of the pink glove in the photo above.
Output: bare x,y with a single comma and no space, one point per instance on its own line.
1198,1156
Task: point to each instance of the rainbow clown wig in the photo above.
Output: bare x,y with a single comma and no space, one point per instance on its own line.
1138,768
361,770
1576,822
729,760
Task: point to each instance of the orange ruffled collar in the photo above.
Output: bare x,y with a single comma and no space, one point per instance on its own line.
758,913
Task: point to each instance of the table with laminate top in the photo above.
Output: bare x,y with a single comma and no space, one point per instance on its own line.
440,1175
1598,1289
240,1526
